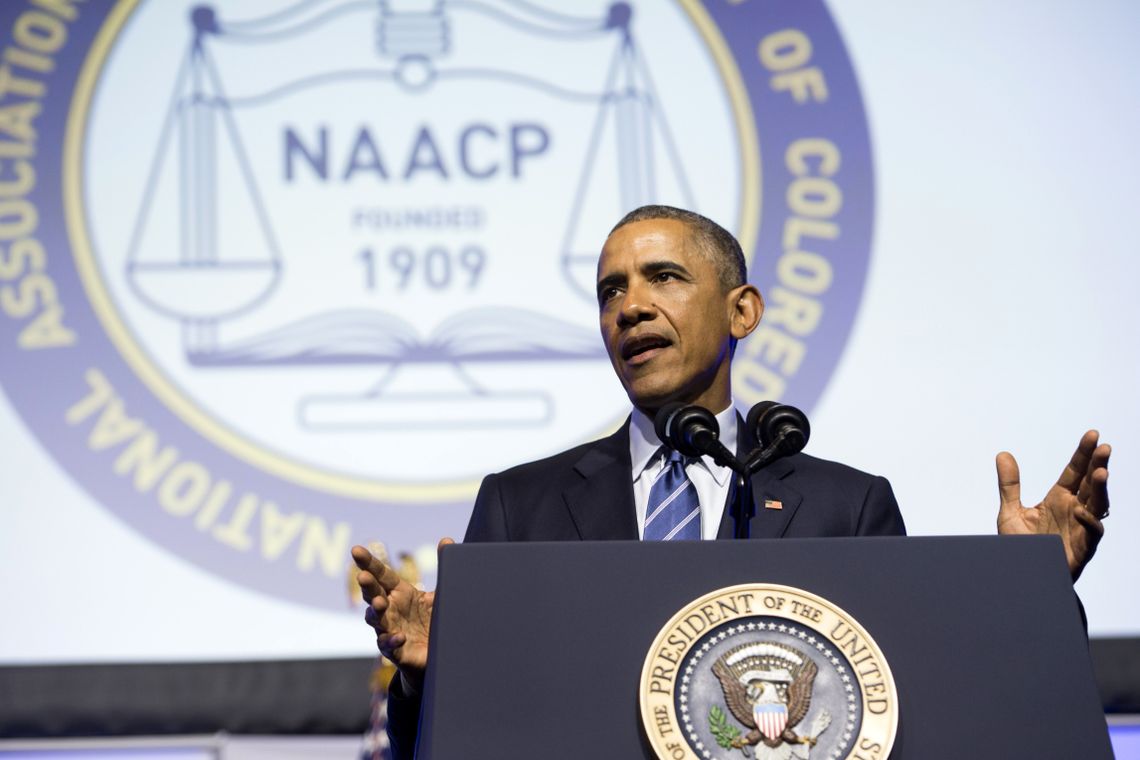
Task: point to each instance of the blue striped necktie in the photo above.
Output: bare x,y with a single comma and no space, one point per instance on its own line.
674,511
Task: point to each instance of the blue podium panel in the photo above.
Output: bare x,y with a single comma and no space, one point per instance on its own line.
537,648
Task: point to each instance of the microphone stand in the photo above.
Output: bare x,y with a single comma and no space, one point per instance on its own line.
742,505
692,430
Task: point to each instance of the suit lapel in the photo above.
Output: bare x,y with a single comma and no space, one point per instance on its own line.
601,504
772,485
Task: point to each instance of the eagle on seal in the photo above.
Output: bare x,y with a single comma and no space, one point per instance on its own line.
768,689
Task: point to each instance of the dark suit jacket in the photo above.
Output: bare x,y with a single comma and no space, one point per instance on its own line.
586,494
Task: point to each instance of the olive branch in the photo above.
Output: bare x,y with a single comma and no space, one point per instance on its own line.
720,728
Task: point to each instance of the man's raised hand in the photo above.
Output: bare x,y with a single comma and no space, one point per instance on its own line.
1072,509
399,612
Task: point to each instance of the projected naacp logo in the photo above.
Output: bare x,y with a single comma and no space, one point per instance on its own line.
280,276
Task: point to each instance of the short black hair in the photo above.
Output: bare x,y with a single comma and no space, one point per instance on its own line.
713,240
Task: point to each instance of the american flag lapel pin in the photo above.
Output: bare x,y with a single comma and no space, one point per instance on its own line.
773,504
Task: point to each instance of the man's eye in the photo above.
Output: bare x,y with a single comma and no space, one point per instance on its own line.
665,276
606,294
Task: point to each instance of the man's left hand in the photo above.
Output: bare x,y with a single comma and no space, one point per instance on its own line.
1072,509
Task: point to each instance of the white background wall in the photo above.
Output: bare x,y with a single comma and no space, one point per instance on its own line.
999,314
1001,310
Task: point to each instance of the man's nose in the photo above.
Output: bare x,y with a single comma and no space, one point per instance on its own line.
636,306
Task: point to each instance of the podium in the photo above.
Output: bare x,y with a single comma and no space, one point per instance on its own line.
537,649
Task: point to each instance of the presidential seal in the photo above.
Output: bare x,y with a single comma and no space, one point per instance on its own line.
768,672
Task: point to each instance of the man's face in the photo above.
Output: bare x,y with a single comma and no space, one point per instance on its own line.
666,321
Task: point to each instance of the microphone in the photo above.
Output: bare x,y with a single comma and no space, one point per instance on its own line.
693,431
779,427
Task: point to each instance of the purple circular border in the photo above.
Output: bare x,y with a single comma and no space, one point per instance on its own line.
43,384
842,120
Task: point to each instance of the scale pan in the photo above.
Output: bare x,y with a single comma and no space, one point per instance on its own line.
203,291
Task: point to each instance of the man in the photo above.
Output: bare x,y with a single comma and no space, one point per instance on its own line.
673,302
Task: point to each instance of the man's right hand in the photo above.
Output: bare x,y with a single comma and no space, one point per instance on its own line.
399,612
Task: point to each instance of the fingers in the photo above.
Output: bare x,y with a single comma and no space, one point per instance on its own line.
1009,482
385,576
1086,475
1093,492
444,542
389,642
373,593
1090,522
374,615
1078,466
1081,552
369,588
389,645
361,556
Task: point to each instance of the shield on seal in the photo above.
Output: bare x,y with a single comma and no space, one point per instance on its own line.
770,719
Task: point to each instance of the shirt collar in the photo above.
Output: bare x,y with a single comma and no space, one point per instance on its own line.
643,443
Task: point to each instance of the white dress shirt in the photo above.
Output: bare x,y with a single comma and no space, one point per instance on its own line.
710,479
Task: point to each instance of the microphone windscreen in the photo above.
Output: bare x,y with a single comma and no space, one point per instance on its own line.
663,422
680,426
768,419
752,422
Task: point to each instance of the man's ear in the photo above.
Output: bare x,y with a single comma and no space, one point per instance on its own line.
747,308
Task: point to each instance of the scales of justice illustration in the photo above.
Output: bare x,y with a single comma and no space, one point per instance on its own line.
189,282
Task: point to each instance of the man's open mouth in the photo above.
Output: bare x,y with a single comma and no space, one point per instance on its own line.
642,345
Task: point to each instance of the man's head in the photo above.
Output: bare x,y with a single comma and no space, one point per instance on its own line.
712,240
673,300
